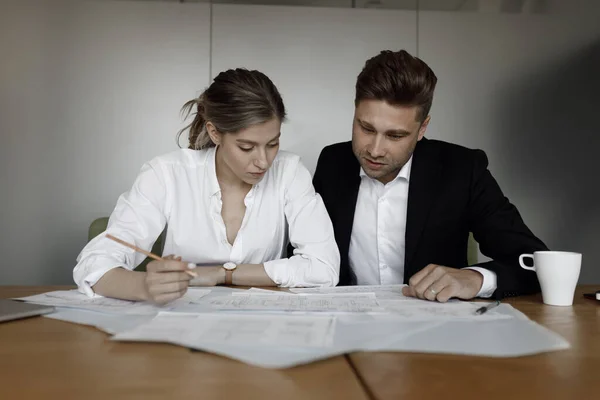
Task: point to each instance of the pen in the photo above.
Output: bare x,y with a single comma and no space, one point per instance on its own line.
147,253
484,309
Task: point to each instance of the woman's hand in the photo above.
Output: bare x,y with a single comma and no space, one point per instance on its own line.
208,276
166,280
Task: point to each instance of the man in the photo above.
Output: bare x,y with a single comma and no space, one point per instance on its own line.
403,206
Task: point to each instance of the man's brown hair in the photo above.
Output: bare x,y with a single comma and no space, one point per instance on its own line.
399,79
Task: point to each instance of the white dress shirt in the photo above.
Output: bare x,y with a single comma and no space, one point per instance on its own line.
181,189
377,243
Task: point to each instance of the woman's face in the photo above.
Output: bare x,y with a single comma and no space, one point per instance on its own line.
249,153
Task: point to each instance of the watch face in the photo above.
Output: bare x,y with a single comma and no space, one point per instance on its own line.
229,265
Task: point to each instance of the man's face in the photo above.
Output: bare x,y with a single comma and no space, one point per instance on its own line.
384,137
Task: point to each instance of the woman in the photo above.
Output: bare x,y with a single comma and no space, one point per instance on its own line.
231,200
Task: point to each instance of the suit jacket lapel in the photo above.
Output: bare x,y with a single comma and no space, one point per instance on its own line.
349,187
346,208
424,177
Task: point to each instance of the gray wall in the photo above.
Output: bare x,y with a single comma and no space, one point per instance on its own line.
525,88
91,90
88,92
313,58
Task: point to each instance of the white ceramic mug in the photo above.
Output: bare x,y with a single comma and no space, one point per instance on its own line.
557,272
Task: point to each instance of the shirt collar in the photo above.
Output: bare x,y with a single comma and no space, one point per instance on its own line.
404,172
211,174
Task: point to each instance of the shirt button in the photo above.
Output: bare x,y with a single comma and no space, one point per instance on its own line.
383,266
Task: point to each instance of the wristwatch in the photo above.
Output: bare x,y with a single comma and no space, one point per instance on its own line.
229,268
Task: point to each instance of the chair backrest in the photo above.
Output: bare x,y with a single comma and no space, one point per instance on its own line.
99,225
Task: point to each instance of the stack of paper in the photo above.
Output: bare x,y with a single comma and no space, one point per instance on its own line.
277,329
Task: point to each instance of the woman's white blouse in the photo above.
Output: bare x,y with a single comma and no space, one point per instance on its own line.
180,190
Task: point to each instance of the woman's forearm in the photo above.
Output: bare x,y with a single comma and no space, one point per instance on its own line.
251,275
123,284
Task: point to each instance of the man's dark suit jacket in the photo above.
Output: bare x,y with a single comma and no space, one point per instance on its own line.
451,193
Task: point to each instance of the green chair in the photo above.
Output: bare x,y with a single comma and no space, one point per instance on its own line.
472,250
99,225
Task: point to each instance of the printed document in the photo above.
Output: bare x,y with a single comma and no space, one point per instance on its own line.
234,329
316,303
382,292
75,299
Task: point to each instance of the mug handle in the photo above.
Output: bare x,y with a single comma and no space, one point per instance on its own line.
521,257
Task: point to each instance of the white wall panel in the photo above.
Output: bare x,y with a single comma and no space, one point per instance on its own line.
314,56
88,92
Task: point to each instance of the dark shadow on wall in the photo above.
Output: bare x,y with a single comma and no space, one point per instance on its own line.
551,127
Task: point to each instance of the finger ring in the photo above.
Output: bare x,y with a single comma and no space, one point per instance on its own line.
433,291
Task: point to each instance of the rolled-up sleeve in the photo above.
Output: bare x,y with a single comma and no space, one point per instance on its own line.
138,218
316,258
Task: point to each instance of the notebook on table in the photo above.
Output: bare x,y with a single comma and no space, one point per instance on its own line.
11,309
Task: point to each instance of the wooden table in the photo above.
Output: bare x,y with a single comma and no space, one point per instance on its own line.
565,374
45,358
42,358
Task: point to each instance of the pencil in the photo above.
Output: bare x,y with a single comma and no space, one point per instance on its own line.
146,253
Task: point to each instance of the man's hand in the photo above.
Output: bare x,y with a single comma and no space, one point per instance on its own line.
435,282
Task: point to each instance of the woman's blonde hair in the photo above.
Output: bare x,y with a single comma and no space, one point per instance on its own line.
237,99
